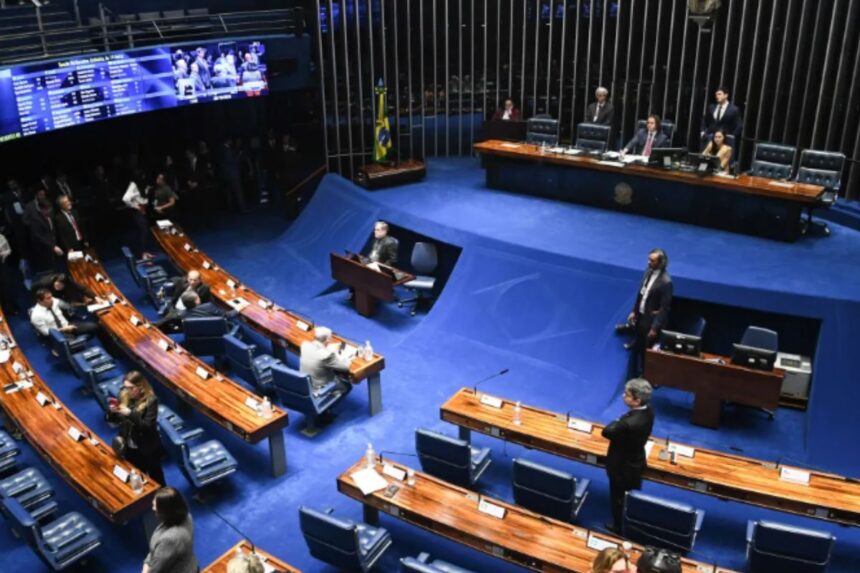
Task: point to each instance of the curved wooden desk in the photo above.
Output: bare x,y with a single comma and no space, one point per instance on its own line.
827,496
218,397
220,564
87,464
285,329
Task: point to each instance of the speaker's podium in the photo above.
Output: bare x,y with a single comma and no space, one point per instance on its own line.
371,282
379,175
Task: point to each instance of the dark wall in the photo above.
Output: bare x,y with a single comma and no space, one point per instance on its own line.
91,7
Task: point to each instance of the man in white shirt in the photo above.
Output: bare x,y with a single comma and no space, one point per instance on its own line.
325,362
48,314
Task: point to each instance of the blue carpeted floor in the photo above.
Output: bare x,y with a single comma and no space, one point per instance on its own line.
537,289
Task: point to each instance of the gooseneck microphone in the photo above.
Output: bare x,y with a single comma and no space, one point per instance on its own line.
501,372
393,453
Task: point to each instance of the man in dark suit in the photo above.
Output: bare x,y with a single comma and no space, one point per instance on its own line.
190,282
647,139
70,236
38,219
196,309
650,310
625,460
600,112
384,247
722,115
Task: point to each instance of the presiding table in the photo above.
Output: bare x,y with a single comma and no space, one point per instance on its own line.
520,536
745,204
224,401
287,330
766,484
272,563
87,464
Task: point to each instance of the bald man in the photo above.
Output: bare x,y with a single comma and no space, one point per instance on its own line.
190,283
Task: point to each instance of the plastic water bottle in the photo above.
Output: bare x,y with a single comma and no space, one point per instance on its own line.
410,477
369,456
367,351
266,409
518,412
135,481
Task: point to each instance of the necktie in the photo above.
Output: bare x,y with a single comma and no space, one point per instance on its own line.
596,112
78,235
57,322
720,112
647,151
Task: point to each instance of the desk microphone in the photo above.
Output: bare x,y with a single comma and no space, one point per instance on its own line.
393,453
501,372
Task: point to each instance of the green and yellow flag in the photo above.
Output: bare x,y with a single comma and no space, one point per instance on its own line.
382,133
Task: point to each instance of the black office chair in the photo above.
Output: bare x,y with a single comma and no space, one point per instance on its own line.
758,337
666,126
773,161
424,261
821,168
542,130
592,137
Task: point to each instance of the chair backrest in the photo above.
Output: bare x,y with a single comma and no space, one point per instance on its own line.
293,388
758,337
666,126
60,345
821,168
330,539
544,489
592,136
444,457
773,161
424,257
239,355
779,547
667,516
542,130
22,521
204,327
131,263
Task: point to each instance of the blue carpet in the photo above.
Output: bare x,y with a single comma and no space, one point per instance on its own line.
537,289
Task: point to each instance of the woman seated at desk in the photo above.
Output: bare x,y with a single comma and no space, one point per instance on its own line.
719,147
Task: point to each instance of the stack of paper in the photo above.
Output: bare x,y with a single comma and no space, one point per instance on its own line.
368,481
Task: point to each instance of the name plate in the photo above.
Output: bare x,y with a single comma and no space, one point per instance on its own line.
88,258
264,303
75,433
17,367
599,544
121,474
496,511
794,475
394,472
164,345
207,265
685,451
202,372
580,425
581,533
134,320
113,298
25,384
303,326
492,401
252,403
42,399
187,247
100,278
231,283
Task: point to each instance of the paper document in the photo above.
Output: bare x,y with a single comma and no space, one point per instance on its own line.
572,151
612,163
599,544
164,223
781,183
511,145
238,303
634,159
91,308
368,481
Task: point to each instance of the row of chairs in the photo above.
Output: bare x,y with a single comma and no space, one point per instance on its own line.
27,503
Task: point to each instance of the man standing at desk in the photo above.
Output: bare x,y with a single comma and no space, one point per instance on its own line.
325,362
625,460
651,309
383,250
600,112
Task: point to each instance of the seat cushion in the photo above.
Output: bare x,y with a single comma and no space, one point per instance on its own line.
208,454
421,282
68,536
28,486
370,538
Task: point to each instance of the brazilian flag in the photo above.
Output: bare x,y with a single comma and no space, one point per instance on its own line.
382,133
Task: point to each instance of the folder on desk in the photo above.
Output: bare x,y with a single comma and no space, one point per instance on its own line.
368,481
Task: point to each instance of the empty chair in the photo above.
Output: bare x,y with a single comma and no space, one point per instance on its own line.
340,542
78,357
548,491
9,450
168,416
204,336
821,168
758,337
104,385
30,488
202,464
773,161
666,126
296,393
141,267
542,130
64,347
592,137
774,546
652,520
59,543
255,369
424,262
422,564
450,459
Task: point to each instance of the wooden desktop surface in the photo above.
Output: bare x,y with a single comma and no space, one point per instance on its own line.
785,190
274,322
86,466
219,397
522,537
220,564
827,496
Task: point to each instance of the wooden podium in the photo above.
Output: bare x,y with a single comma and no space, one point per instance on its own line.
369,285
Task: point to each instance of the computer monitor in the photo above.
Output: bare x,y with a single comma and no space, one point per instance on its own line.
680,343
704,164
752,357
666,156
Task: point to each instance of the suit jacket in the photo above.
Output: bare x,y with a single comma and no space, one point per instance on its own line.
500,114
659,300
625,460
204,310
637,145
730,123
724,153
386,250
39,227
604,117
66,236
180,285
321,362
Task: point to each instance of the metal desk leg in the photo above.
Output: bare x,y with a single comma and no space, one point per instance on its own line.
465,434
371,514
278,453
374,394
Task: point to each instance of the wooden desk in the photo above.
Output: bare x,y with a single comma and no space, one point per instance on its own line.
86,465
220,564
282,327
218,397
522,537
369,285
827,496
713,383
746,204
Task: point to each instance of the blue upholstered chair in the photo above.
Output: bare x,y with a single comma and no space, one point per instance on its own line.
422,564
204,336
821,168
9,450
65,348
166,416
202,464
343,543
296,393
60,543
140,267
30,488
773,161
542,130
103,384
777,547
758,337
592,137
241,359
424,262
548,491
450,459
652,520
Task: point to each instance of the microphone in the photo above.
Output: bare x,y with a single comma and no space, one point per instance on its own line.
393,453
501,372
229,524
